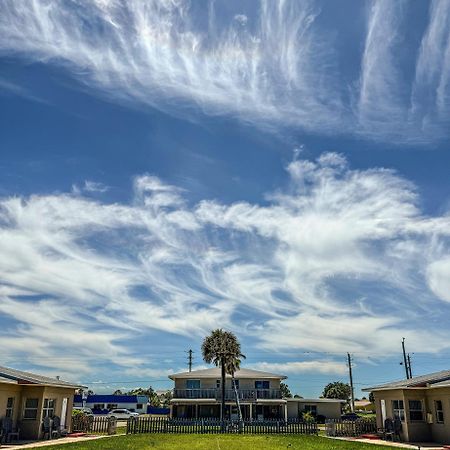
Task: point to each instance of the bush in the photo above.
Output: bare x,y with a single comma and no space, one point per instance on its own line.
320,418
308,417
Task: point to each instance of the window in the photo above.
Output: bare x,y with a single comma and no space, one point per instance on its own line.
139,406
439,411
398,409
31,408
262,384
48,409
311,409
98,406
192,384
112,406
236,383
9,407
415,410
217,384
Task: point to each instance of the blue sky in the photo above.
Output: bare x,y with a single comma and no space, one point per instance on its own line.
279,169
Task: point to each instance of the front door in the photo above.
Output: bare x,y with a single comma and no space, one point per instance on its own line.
64,412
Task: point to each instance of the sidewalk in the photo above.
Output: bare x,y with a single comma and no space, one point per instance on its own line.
416,446
37,444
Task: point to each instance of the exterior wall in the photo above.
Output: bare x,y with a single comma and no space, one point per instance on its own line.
412,431
31,428
210,383
440,431
331,410
8,390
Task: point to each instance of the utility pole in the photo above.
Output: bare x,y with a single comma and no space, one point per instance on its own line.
352,404
405,362
409,366
190,352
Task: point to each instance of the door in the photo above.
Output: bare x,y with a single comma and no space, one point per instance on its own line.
64,412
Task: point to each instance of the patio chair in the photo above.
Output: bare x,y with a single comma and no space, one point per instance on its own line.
47,428
14,433
388,431
57,429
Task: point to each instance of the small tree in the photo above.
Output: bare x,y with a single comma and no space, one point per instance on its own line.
285,391
371,398
337,390
118,392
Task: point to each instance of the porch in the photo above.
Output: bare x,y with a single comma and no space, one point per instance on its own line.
250,411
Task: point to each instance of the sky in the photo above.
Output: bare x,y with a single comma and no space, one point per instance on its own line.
279,169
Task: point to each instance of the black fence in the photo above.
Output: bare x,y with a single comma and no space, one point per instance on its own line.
216,426
82,423
350,428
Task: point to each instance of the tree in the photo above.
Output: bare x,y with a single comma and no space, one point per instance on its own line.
150,393
223,349
285,391
337,390
371,398
117,392
165,399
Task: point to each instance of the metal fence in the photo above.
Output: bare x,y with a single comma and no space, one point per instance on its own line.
92,424
216,426
350,428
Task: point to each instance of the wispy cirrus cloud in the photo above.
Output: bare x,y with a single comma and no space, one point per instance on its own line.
340,260
274,66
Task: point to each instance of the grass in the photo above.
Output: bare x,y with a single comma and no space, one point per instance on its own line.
214,442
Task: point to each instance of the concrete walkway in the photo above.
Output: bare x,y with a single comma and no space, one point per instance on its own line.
38,444
416,446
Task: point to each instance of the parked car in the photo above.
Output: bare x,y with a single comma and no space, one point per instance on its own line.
84,410
350,416
122,413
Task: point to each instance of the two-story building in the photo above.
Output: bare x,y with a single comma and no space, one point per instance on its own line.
198,394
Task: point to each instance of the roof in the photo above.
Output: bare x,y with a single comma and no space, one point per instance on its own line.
436,379
216,373
112,399
314,400
20,377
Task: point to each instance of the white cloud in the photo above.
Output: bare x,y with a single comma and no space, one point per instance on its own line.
277,65
294,367
342,260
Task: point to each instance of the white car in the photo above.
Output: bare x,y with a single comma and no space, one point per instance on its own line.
122,414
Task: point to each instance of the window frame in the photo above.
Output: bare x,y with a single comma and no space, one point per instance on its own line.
263,383
111,406
10,407
236,383
400,410
191,380
30,408
411,410
48,407
311,408
439,411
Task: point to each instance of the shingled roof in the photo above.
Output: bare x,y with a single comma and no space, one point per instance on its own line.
215,373
8,375
436,379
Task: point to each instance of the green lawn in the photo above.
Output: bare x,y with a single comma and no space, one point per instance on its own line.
214,442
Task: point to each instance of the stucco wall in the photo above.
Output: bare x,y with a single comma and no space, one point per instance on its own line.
210,383
331,410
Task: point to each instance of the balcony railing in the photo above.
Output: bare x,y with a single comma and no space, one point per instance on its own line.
244,394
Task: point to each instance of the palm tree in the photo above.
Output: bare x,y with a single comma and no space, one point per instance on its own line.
223,349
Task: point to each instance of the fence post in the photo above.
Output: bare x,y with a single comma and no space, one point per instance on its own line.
112,425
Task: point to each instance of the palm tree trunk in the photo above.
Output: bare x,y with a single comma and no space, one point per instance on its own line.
222,365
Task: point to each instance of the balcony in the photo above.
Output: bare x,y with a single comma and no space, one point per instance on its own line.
216,394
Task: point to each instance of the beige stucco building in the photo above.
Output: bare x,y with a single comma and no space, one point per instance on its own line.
198,394
27,398
421,403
